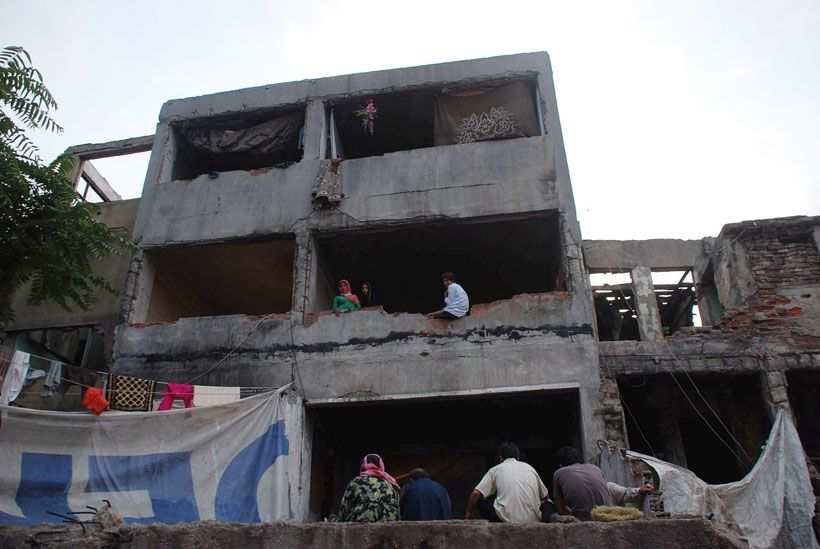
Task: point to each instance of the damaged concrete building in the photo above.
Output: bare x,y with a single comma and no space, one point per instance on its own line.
257,201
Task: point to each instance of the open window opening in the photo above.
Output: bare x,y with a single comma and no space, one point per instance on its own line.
270,141
664,423
252,278
124,161
675,293
404,121
615,308
709,306
614,299
454,440
414,119
126,171
804,397
81,346
492,260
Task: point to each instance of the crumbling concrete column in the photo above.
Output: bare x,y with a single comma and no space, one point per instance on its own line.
315,130
646,305
612,412
776,392
302,263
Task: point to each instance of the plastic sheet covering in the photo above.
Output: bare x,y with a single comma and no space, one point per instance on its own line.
772,506
485,114
271,136
230,462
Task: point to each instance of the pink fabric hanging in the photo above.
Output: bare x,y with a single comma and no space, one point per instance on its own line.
174,391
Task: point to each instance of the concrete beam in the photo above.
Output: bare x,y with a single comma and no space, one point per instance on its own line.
99,183
661,254
646,304
132,145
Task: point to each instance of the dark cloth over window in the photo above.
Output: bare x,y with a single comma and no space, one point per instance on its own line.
485,114
425,499
267,137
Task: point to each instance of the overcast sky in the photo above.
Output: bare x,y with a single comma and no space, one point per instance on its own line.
678,117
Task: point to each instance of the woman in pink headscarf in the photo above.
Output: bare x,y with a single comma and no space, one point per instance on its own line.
373,496
346,300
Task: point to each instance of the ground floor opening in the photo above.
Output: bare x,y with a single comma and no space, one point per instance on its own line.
455,440
712,425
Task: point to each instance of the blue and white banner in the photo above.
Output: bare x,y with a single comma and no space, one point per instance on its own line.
227,462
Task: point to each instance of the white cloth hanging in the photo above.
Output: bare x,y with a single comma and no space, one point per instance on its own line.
208,395
15,377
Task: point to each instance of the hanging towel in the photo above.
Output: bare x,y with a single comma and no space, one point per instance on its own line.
52,383
207,395
14,378
175,391
130,394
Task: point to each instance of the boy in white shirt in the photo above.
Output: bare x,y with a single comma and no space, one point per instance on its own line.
456,302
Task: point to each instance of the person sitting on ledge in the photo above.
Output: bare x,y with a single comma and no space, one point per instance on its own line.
456,302
373,496
346,300
369,298
578,487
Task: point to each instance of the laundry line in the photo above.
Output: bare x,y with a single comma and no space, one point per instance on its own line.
107,374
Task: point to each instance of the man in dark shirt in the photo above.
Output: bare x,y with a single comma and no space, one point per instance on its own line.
424,499
578,487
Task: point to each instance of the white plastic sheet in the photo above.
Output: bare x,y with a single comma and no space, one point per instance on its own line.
229,462
772,505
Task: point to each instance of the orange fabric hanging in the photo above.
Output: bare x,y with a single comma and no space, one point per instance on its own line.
95,401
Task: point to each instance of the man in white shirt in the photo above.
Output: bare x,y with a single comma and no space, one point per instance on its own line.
456,302
517,488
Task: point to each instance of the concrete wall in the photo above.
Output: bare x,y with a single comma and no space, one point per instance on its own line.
658,534
116,215
530,342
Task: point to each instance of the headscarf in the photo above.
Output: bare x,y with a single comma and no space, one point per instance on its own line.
369,300
351,296
368,469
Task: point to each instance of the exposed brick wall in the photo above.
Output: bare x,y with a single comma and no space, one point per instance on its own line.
782,255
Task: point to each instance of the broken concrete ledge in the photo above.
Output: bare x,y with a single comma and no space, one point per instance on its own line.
658,534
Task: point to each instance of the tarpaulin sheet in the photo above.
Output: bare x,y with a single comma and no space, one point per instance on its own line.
267,137
772,506
227,462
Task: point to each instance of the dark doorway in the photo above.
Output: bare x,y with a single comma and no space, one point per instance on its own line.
674,418
455,440
804,397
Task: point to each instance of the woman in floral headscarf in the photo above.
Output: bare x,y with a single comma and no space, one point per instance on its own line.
346,300
373,496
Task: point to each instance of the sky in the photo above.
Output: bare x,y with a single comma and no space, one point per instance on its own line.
678,117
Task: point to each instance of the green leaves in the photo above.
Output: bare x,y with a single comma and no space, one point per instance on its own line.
24,97
49,236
